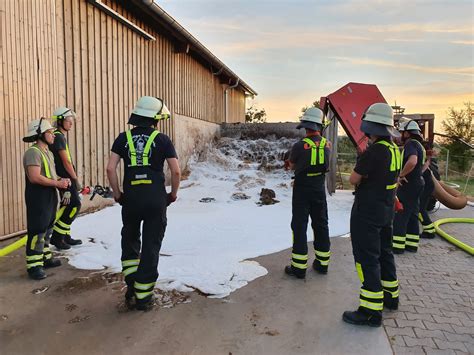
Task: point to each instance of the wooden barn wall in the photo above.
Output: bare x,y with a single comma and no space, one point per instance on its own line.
68,52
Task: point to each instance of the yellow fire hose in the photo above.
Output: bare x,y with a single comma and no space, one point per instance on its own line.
467,248
13,246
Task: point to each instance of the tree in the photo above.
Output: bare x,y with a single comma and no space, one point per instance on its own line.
459,124
315,104
255,115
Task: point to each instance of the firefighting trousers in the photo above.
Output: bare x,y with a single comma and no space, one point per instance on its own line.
406,231
375,264
67,214
426,222
308,202
140,257
40,214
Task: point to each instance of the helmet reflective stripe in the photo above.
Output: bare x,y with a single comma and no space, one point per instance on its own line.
151,107
63,112
314,148
146,150
45,162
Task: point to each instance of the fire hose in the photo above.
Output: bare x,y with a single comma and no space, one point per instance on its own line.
105,192
467,248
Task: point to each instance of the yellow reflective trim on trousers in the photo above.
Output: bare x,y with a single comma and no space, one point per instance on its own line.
394,294
299,256
142,295
148,144
324,262
371,305
131,148
314,174
299,266
412,244
34,257
34,241
323,254
73,212
359,272
399,238
391,187
130,270
60,212
141,182
39,263
420,217
370,294
61,231
390,283
63,225
413,236
143,287
130,262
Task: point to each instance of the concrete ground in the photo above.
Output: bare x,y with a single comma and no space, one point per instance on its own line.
76,311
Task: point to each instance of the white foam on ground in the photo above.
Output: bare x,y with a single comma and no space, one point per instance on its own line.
206,245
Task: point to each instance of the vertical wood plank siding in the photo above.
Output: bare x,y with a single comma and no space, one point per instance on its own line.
69,53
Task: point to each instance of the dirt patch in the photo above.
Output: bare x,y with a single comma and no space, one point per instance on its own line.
87,283
239,196
70,307
267,197
79,319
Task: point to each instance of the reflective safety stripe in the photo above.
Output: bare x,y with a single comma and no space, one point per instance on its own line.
422,149
359,272
131,262
130,270
412,244
73,212
141,182
60,212
413,237
298,265
34,257
131,148
370,294
299,256
323,254
394,294
148,144
162,116
45,162
146,150
143,287
371,305
57,132
63,225
391,187
399,238
396,161
314,174
142,295
34,241
420,217
39,263
390,283
316,150
61,231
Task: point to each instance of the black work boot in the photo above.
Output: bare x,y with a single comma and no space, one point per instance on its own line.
389,302
37,273
48,263
299,274
130,300
427,235
58,241
145,305
69,240
320,269
363,317
411,249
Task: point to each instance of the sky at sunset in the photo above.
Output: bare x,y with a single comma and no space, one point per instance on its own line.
419,53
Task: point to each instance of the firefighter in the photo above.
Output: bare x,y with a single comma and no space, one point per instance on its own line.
309,159
375,178
63,120
406,232
144,198
41,197
427,224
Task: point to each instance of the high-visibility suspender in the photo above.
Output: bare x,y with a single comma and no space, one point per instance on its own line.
146,150
45,162
395,161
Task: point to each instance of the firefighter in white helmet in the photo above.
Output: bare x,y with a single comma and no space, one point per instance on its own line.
406,231
375,178
144,198
309,158
63,120
41,197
